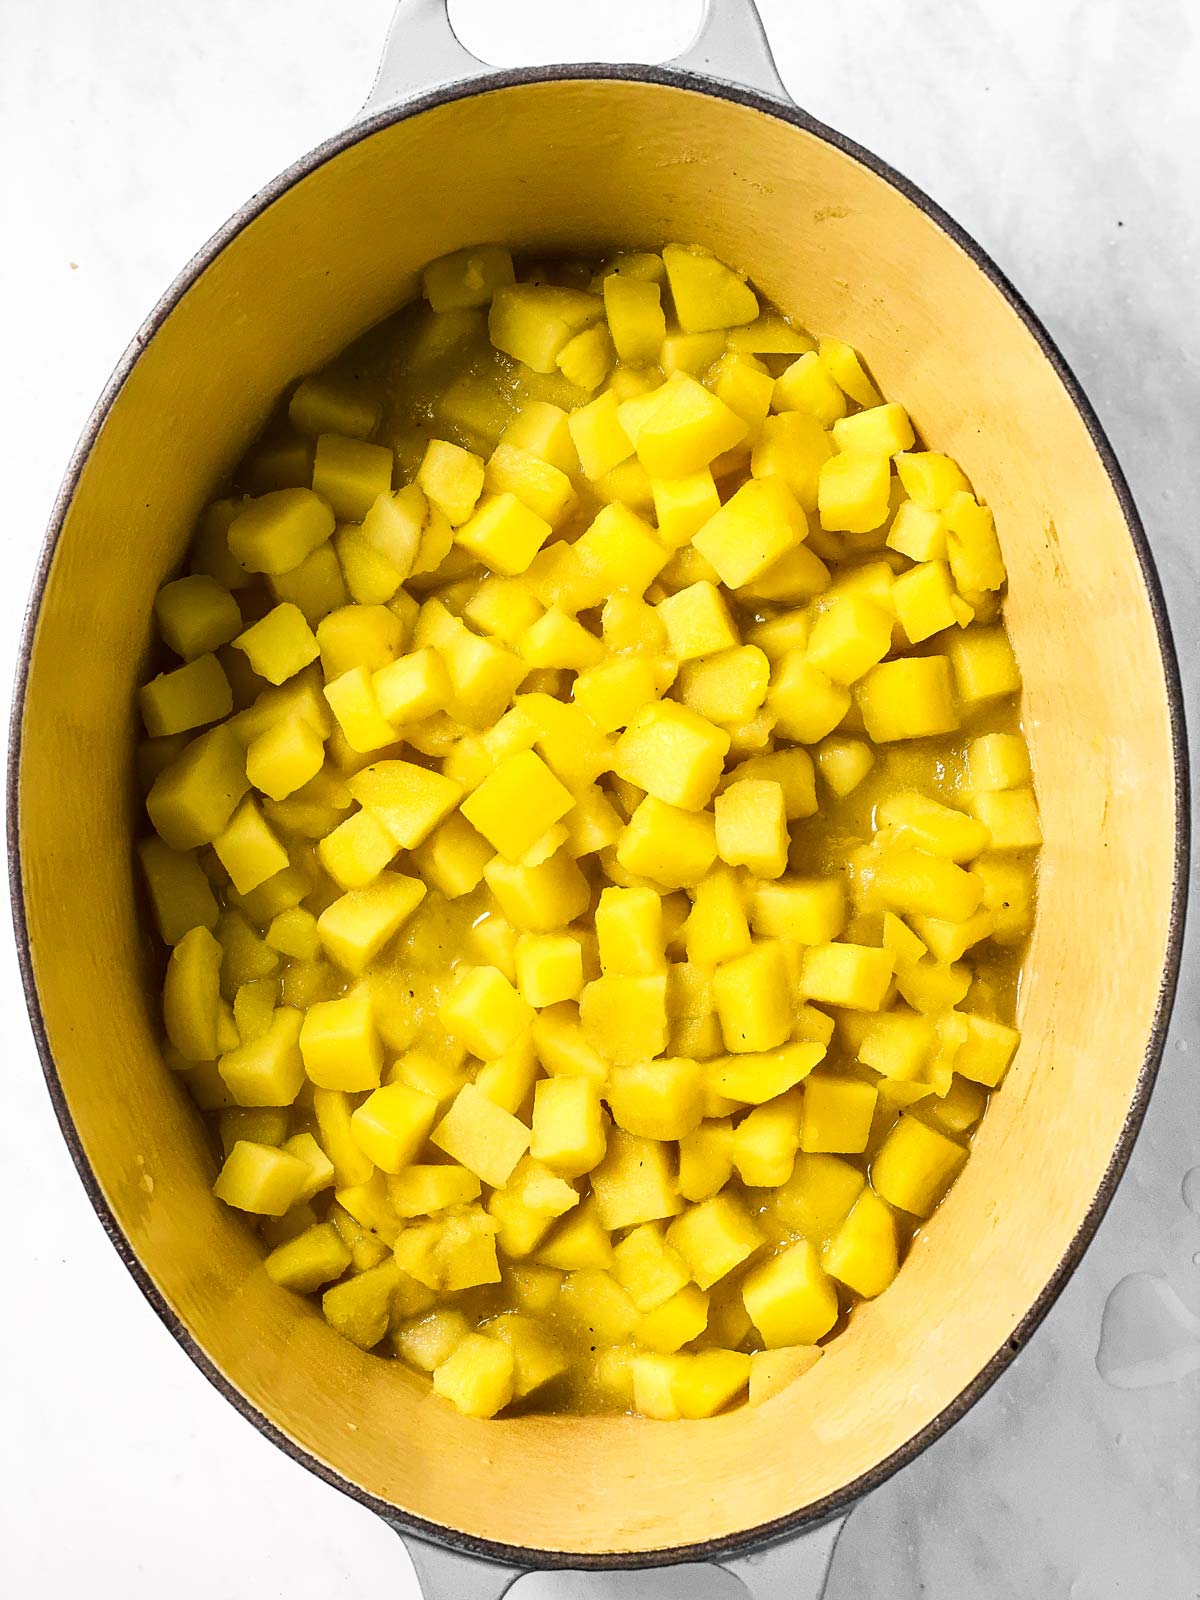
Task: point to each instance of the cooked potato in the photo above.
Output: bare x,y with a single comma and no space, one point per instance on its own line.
560,1031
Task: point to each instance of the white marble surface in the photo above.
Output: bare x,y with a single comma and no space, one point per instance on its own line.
1064,136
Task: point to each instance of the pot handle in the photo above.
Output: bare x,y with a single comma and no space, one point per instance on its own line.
797,1569
423,53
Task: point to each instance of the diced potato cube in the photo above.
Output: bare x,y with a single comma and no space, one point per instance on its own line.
752,1078
635,1182
629,927
568,1125
350,474
878,430
192,995
284,757
180,892
751,826
648,1269
320,1167
997,761
186,698
268,1070
359,1308
837,1114
537,1360
634,311
539,899
352,700
807,386
660,1099
275,532
716,928
260,1179
426,1342
728,688
698,622
452,479
925,600
625,1018
683,505
917,533
601,1311
409,801
912,881
930,479
561,1046
804,701
792,447
852,493
467,277
280,645
485,1012
931,826
516,803
358,636
618,552
705,1160
356,927
479,1378
311,1260
755,527
687,430
971,544
849,637
743,383
503,533
714,1237
549,968
330,405
984,664
532,322
340,1044
248,849
356,851
392,1125
753,996
908,699
852,975
412,687
598,436
863,1253
541,429
372,578
915,1166
765,1142
843,364
672,847
705,292
673,754
844,763
988,1049
482,1136
790,1299
196,615
586,360
613,691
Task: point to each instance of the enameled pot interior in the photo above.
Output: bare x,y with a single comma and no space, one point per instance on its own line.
582,165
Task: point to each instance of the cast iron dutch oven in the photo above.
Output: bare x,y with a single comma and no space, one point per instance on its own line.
448,152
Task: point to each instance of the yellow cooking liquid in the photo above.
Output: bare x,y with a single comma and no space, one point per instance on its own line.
594,835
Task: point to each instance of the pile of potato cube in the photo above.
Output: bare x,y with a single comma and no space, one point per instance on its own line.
543,1039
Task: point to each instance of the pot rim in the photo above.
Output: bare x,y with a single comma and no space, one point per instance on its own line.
808,1517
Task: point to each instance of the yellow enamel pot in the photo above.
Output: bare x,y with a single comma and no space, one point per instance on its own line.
580,159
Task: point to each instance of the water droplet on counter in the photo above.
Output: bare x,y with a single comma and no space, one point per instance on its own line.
1196,1259
1191,1189
1147,1335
